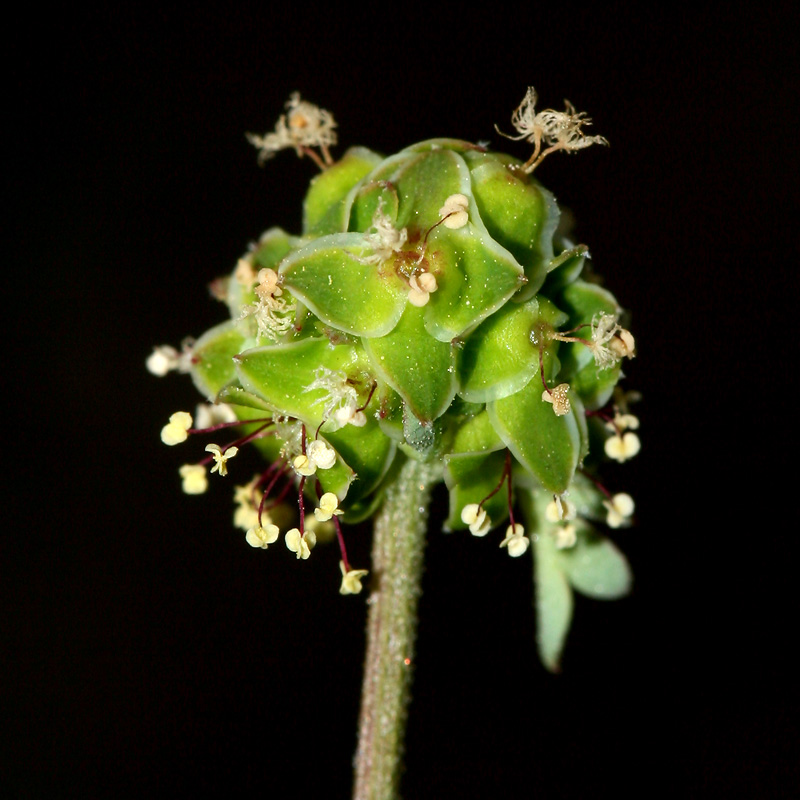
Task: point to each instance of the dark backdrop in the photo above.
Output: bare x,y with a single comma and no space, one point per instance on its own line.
147,650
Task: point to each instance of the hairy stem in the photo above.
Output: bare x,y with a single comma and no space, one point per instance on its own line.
397,550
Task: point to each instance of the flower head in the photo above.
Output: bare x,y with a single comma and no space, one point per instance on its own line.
194,478
221,457
351,579
516,541
177,429
301,543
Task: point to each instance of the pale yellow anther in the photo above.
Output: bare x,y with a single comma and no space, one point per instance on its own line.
351,579
162,360
421,287
559,509
268,283
301,544
566,536
455,211
620,509
516,541
207,415
476,518
221,457
558,397
328,507
304,466
195,480
262,536
622,447
623,422
320,454
177,430
623,344
244,274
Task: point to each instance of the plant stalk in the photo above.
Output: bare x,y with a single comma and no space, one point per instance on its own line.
397,555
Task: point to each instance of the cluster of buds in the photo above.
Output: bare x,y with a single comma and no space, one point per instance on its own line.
428,310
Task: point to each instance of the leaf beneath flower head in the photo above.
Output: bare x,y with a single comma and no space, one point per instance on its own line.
595,566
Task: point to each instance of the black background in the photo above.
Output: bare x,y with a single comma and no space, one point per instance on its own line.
147,650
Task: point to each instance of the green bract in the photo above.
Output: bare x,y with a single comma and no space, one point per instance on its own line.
429,310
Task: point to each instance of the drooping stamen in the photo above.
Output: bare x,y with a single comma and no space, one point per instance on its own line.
340,539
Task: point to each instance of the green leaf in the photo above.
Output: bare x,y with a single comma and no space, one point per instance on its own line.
548,446
595,566
325,209
554,602
212,357
476,435
420,369
331,276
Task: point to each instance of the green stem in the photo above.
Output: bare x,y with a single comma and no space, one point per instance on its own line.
397,550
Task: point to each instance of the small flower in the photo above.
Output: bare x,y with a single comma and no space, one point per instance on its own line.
620,510
262,537
320,454
351,579
566,536
623,422
306,125
328,507
221,457
421,287
476,518
165,359
558,509
560,130
177,430
194,477
301,543
340,403
558,397
455,211
622,447
383,238
516,541
610,342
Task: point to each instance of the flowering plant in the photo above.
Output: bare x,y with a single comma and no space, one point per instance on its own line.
432,322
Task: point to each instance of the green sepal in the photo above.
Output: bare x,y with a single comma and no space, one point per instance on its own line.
367,198
471,477
420,369
273,245
498,358
331,276
565,268
518,213
212,357
547,445
325,208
